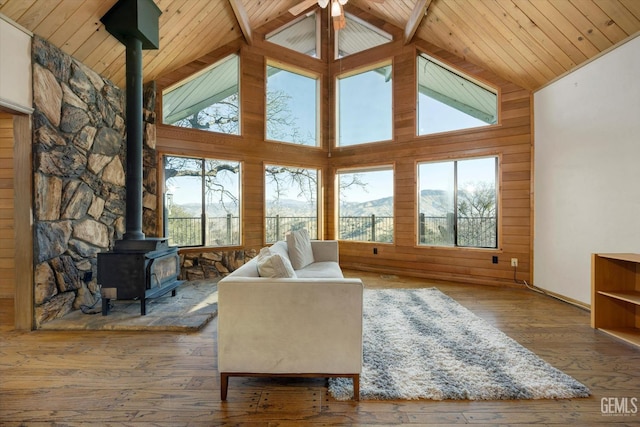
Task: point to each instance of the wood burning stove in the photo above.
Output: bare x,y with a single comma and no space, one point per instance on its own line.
147,269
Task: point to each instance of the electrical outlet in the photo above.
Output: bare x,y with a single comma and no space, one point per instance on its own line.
494,259
514,262
375,251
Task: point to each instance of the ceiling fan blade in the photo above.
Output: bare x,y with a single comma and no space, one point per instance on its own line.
302,6
377,1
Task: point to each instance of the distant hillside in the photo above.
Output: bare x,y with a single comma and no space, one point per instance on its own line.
432,203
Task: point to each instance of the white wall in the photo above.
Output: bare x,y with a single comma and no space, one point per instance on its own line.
587,170
15,67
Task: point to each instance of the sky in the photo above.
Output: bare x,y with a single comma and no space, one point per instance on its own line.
365,114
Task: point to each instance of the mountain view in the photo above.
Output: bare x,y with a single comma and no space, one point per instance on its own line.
432,203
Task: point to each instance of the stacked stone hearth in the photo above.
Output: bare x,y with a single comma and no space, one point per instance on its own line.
79,177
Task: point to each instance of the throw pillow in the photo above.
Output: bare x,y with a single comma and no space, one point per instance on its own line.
300,251
273,265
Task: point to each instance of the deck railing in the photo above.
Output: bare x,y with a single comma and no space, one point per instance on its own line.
220,231
277,226
433,230
370,228
477,232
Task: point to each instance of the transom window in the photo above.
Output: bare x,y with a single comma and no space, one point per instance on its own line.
358,36
208,100
457,203
449,101
365,211
301,35
202,201
365,104
292,107
291,201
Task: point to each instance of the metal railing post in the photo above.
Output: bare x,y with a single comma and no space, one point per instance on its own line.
373,228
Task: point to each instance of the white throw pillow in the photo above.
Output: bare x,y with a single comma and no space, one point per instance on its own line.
300,251
273,265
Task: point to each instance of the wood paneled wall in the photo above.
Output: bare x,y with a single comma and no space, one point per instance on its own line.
16,241
7,240
510,140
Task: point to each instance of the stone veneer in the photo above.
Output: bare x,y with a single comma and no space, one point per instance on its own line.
79,184
79,178
212,263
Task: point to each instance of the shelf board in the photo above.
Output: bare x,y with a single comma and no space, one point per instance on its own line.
630,335
622,257
628,296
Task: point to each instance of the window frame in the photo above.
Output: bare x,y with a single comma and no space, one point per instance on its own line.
318,31
195,76
270,62
498,204
319,198
203,223
369,26
484,84
336,104
364,169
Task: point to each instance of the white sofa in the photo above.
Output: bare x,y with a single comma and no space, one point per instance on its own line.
309,325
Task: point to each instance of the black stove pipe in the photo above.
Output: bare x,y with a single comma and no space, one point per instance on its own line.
134,140
135,24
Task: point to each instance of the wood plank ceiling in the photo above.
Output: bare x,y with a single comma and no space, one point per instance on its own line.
528,42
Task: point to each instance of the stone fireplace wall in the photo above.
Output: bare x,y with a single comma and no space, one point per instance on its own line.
79,184
79,178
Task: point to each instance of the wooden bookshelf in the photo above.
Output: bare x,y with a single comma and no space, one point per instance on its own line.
615,295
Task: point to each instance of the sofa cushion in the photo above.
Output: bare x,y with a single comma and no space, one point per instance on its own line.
280,248
300,251
273,265
321,270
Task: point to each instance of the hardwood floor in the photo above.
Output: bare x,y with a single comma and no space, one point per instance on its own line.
170,379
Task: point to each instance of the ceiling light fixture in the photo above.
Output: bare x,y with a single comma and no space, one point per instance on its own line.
336,8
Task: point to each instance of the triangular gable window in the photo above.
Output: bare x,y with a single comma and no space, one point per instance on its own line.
300,35
449,101
358,36
208,100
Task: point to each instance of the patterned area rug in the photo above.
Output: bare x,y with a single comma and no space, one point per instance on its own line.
421,344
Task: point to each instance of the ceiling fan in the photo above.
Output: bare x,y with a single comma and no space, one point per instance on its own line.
337,11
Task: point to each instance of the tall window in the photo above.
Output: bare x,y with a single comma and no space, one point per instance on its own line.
291,201
365,212
457,203
292,107
448,101
208,100
202,201
365,106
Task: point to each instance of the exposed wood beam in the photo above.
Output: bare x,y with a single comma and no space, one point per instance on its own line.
302,6
415,19
243,20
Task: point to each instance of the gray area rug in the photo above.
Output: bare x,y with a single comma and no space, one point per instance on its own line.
422,344
195,305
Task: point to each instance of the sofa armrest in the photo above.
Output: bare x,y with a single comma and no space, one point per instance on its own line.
325,250
290,325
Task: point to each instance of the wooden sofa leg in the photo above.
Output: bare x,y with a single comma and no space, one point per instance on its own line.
356,387
224,385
